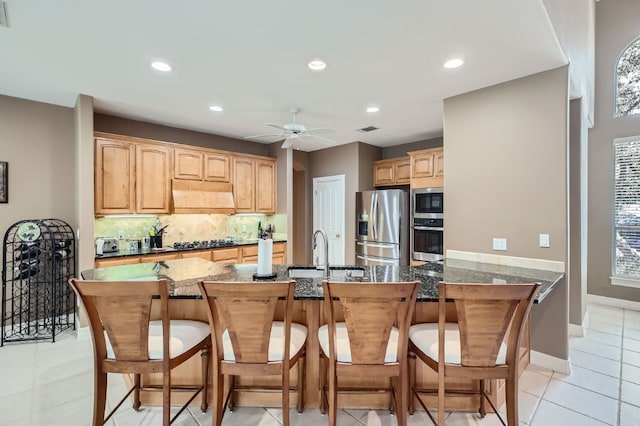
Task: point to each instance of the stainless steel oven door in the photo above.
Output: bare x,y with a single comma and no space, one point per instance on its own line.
428,243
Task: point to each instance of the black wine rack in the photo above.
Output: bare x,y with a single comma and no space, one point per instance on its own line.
38,258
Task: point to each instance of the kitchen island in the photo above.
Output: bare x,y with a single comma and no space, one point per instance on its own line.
183,275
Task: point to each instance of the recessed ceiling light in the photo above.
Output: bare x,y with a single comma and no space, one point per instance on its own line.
454,63
317,64
215,108
161,66
373,109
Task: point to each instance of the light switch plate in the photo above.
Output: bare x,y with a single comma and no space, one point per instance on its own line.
500,244
544,240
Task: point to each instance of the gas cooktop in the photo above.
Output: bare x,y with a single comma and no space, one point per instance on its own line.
195,245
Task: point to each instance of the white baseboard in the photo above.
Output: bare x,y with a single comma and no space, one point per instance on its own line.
579,330
551,362
83,332
610,301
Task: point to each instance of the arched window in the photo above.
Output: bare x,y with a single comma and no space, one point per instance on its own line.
628,81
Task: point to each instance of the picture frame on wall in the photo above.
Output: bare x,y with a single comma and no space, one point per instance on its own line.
4,182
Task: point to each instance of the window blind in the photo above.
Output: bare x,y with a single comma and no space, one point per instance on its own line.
627,208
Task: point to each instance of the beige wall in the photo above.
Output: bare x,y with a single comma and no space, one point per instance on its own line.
616,28
38,142
401,150
505,153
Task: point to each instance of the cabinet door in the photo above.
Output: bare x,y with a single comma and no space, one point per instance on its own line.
229,255
216,167
203,254
383,173
422,165
438,163
153,178
150,258
265,186
402,170
118,261
114,177
187,164
244,184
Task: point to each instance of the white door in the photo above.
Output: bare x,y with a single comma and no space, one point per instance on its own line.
328,215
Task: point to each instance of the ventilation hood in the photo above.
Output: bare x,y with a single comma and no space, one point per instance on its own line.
193,196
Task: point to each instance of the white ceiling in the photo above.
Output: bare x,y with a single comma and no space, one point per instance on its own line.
251,58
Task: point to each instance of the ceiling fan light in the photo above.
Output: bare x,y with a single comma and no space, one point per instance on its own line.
373,109
317,64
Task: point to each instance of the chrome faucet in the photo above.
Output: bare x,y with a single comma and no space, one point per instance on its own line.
326,250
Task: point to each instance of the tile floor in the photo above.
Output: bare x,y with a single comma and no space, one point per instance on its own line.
51,384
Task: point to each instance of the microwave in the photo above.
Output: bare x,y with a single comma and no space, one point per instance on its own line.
427,203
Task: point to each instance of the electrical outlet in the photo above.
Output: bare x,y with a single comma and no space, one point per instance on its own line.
544,240
244,228
499,281
500,244
120,234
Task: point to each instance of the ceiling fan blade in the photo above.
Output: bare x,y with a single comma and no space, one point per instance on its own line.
320,138
287,144
265,136
321,130
277,126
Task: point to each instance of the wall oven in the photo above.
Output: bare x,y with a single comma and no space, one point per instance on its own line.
427,224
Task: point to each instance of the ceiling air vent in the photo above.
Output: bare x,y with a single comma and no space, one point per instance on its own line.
3,14
368,129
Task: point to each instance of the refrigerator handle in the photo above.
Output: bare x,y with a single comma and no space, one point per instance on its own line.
374,215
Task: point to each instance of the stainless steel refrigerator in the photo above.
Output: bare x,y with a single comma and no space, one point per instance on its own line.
382,227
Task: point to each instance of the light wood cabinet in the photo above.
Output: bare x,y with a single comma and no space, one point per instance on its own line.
114,177
227,255
427,168
118,261
160,257
131,177
153,178
194,164
393,171
279,253
203,254
254,185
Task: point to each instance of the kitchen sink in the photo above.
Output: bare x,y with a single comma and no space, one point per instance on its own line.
346,272
305,272
339,272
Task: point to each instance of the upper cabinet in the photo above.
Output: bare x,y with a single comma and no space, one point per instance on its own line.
254,185
153,178
114,177
393,171
427,168
206,165
131,177
134,175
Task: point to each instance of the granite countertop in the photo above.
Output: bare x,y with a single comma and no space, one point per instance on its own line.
184,274
169,249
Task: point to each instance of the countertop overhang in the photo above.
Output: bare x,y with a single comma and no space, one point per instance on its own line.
184,274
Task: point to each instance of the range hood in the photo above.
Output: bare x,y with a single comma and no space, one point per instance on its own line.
194,196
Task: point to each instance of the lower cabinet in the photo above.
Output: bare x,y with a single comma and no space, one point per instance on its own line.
242,254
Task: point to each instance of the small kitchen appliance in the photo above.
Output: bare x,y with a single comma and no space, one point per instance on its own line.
108,245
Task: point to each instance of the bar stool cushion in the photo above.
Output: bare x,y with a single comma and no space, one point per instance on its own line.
276,342
185,335
425,337
343,346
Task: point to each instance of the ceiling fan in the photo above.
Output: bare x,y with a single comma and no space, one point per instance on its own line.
291,132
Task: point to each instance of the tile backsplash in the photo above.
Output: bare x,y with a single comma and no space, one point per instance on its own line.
190,227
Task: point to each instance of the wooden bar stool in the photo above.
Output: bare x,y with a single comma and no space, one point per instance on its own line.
127,341
475,347
371,341
249,341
